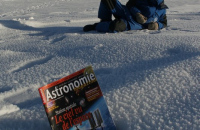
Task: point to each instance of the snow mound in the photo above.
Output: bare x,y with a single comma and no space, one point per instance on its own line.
150,79
6,108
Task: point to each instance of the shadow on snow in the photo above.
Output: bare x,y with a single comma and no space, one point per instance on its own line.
47,31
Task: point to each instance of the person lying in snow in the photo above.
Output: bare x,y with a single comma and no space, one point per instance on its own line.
135,15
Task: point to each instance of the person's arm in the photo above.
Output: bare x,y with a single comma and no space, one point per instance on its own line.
135,12
131,4
163,22
159,17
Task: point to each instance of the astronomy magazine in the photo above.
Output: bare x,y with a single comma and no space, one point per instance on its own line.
76,102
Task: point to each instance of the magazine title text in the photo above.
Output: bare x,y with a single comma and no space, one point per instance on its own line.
59,91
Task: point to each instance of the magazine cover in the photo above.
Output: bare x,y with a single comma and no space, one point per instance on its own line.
76,102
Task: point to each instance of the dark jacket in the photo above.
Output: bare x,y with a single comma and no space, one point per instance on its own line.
154,10
145,7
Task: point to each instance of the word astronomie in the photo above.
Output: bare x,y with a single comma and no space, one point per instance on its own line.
59,91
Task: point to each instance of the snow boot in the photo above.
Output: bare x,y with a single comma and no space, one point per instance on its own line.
153,26
90,27
141,18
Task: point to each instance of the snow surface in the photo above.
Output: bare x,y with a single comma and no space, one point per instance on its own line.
150,79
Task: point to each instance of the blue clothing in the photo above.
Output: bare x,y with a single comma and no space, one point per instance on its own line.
152,9
120,11
145,7
159,16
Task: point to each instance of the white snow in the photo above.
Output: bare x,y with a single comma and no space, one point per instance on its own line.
150,79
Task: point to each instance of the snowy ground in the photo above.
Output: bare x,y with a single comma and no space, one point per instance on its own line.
150,79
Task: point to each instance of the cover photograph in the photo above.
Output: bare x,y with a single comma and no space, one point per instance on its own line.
76,102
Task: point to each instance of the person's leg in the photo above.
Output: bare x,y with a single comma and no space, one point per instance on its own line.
108,8
123,21
116,8
105,16
104,13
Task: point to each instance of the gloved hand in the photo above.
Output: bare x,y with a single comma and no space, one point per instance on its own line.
153,26
141,18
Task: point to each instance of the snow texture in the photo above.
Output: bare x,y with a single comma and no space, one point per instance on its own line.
150,79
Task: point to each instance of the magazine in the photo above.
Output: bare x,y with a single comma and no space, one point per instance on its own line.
76,102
